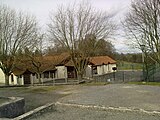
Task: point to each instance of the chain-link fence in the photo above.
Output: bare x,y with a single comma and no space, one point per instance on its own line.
150,73
120,76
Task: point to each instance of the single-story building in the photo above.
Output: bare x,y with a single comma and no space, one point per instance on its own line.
58,67
97,66
12,78
102,65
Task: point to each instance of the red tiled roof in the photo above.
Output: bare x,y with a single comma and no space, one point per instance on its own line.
56,59
48,63
69,63
100,60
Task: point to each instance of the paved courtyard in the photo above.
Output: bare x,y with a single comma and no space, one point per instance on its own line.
138,98
34,96
117,95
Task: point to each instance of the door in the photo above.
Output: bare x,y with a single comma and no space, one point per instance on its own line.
27,79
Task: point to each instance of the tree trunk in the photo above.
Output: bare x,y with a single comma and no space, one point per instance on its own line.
42,78
39,78
79,77
6,80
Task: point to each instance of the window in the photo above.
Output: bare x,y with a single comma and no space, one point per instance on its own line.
20,76
12,78
46,74
94,69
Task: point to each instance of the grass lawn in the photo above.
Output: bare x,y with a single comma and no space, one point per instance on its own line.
40,89
145,83
34,89
3,100
95,84
122,65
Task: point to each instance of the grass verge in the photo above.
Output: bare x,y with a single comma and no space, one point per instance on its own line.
3,100
95,83
145,83
34,89
39,89
122,65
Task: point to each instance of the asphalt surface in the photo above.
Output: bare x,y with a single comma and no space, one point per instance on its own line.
33,97
114,95
117,95
73,113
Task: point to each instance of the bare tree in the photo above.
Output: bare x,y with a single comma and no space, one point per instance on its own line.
36,58
17,31
96,47
142,25
70,26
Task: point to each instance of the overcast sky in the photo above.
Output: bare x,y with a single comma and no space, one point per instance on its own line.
42,8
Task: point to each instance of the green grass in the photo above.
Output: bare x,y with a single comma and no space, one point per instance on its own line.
122,65
34,89
3,100
15,88
145,83
95,84
39,89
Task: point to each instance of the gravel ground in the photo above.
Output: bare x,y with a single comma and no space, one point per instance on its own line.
72,113
113,95
118,95
35,96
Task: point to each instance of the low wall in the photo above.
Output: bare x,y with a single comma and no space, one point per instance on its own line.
36,112
12,108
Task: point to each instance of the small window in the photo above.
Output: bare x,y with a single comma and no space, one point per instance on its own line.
94,70
12,78
20,76
51,75
46,74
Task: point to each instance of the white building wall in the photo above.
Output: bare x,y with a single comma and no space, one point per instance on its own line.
15,80
34,78
106,69
99,70
61,72
88,71
20,81
2,77
103,69
111,66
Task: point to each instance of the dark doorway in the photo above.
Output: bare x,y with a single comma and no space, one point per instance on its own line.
27,79
12,78
71,72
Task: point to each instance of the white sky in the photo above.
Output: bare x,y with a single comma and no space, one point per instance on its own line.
42,8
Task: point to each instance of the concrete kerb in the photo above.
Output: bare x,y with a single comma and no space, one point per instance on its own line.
12,107
50,106
36,111
120,109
